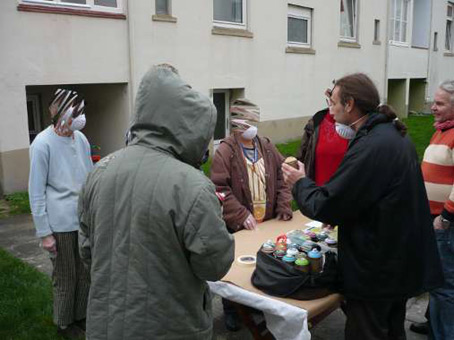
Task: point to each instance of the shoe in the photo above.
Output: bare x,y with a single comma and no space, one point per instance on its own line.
232,322
71,332
420,327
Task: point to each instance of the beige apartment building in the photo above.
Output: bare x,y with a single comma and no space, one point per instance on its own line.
280,54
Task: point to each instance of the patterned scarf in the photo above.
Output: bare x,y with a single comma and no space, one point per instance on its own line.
446,125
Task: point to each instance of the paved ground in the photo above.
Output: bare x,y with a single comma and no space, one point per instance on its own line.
17,236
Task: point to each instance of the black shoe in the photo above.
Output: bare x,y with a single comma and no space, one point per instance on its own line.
232,322
420,327
71,332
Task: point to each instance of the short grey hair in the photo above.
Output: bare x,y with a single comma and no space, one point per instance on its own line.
448,86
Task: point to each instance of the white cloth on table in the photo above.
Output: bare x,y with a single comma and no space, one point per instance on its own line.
284,321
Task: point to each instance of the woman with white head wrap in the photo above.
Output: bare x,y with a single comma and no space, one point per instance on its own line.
247,169
59,163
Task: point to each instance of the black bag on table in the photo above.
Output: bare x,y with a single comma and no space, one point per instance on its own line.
277,278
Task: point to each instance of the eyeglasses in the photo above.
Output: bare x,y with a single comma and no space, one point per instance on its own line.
329,93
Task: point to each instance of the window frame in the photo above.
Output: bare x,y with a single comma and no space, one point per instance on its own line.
169,8
226,92
230,24
90,5
354,24
451,20
35,99
303,16
394,22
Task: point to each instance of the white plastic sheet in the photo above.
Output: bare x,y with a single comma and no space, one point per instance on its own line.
284,321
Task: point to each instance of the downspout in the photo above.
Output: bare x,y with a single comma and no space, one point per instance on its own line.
131,45
429,56
385,96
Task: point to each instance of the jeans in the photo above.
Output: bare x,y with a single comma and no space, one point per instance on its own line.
441,301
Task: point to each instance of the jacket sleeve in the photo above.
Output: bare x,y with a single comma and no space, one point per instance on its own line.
210,246
234,212
307,133
84,229
37,184
360,181
283,194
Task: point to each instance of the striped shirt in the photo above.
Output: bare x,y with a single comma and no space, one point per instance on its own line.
438,172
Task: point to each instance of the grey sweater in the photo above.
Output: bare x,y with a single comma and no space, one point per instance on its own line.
58,169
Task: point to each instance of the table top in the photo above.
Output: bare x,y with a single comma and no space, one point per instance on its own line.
248,242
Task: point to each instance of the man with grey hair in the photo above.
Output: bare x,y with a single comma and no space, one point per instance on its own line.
438,172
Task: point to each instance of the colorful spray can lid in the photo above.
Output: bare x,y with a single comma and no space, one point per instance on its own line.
268,248
322,236
292,251
307,246
279,253
288,259
314,254
301,262
330,241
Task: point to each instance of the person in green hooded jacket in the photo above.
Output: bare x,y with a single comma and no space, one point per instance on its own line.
151,229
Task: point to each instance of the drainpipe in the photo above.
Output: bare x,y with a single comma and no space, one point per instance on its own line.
131,45
385,95
429,56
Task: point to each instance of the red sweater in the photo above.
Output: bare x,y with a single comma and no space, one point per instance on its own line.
329,151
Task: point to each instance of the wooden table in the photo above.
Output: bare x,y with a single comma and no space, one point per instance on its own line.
248,243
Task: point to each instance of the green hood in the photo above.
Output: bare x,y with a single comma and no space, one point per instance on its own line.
172,117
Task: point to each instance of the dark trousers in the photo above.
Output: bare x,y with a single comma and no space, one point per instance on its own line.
375,320
70,280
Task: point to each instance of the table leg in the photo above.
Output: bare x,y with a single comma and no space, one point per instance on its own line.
256,324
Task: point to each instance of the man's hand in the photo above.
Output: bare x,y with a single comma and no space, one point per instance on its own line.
292,175
327,226
439,225
49,244
250,223
284,217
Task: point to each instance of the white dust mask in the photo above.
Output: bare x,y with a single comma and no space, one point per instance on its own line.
345,131
78,123
250,133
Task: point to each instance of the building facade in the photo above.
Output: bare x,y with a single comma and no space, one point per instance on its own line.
282,55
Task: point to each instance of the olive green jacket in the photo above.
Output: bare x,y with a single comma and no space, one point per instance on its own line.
151,228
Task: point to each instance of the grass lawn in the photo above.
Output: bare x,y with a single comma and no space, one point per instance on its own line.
14,204
420,130
25,301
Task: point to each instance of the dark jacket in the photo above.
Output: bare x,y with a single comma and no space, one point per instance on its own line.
377,197
151,224
229,174
306,153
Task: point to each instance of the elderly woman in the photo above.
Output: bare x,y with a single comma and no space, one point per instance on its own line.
247,169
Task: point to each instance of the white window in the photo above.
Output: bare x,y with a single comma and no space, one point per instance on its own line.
449,20
399,21
299,22
163,7
348,19
96,5
230,13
